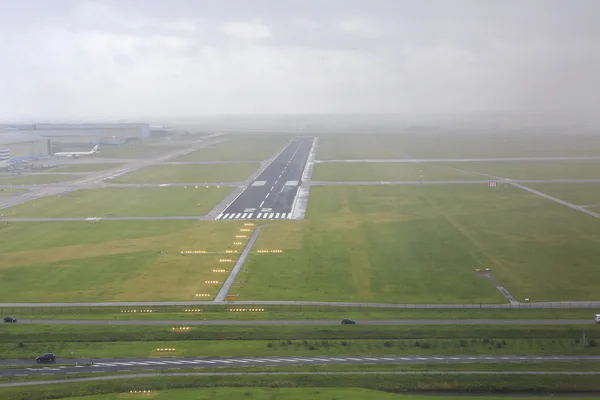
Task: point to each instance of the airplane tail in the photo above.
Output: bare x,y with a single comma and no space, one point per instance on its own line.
95,149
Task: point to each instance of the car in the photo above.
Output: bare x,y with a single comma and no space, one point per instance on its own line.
348,321
597,319
46,358
9,319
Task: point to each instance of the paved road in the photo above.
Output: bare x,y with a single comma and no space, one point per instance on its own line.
449,160
100,365
155,375
304,322
222,295
402,306
271,195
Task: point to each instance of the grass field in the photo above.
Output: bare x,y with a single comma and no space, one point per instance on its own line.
128,152
459,385
11,192
421,244
189,173
582,194
266,394
132,202
76,341
295,393
112,261
387,172
92,167
34,179
533,169
455,145
278,312
252,148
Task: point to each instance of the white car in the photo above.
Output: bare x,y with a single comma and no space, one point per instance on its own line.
597,319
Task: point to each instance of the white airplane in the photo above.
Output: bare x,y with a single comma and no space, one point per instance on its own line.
76,154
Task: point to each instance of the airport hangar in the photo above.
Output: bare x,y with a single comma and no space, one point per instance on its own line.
75,137
17,146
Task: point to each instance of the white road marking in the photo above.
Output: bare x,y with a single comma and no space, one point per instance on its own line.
261,204
276,215
267,196
244,215
219,216
237,216
259,214
271,216
259,183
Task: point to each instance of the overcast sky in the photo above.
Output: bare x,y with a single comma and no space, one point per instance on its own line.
131,58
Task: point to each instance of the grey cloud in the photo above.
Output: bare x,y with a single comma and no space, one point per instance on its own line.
100,57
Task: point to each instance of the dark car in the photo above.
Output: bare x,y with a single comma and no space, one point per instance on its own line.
9,319
347,321
46,358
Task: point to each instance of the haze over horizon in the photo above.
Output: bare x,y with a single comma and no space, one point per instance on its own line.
156,59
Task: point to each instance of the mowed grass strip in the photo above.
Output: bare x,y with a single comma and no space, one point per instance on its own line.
581,194
245,148
399,244
89,167
387,172
533,169
273,394
128,152
114,260
189,173
431,144
34,179
127,202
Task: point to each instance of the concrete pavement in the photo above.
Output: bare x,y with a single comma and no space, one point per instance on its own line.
100,365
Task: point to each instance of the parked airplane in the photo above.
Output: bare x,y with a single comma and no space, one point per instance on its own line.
76,154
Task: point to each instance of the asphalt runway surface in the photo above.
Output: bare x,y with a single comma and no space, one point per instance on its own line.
302,322
102,365
271,195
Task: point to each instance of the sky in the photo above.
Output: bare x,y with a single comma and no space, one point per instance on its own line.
171,58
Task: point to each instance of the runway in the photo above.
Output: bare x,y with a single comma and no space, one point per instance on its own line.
306,322
271,195
100,365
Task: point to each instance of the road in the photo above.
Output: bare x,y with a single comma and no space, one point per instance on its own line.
271,195
192,374
222,295
100,365
449,160
304,322
403,306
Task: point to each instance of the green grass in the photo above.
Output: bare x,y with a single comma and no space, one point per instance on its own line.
11,192
112,260
533,169
459,384
387,172
270,394
92,167
577,193
293,394
276,312
33,179
399,244
131,202
189,173
455,145
252,148
130,151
